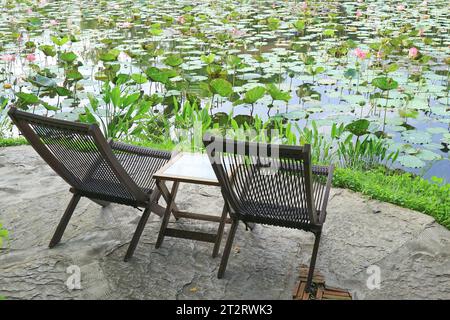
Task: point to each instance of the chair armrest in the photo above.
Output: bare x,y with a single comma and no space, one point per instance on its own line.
322,179
142,151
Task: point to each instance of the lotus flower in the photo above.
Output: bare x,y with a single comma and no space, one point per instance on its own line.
360,53
54,22
124,25
237,33
30,57
413,52
8,58
304,5
123,56
181,20
29,11
421,32
358,13
401,7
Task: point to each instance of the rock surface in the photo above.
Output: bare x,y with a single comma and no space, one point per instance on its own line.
411,251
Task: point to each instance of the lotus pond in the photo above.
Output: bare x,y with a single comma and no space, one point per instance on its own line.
347,70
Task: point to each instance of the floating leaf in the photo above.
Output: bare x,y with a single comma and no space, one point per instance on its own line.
416,137
410,161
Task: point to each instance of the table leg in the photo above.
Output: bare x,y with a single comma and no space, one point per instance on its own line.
220,230
170,205
166,195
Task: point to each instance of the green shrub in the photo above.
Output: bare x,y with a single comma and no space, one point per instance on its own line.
403,189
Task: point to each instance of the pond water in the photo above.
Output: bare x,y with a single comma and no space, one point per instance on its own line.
324,54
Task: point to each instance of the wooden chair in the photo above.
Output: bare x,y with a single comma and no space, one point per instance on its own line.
270,184
103,171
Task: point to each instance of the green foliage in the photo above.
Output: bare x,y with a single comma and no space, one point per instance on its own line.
4,235
123,110
48,50
221,87
385,83
358,127
405,190
173,60
10,142
277,94
254,94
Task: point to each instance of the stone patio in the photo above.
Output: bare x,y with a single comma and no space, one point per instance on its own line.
411,250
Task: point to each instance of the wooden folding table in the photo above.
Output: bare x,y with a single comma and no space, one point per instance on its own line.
193,168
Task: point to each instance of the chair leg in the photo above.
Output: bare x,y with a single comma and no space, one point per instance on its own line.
137,234
312,264
227,249
220,231
64,220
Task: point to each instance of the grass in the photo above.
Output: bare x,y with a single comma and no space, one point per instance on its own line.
402,189
10,142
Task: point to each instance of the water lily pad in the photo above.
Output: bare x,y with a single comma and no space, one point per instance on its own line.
411,161
416,137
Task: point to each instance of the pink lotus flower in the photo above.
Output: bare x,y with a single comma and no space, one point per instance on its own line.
29,11
401,7
304,5
360,53
413,52
424,3
123,56
42,2
8,58
274,5
124,25
358,13
360,1
181,20
237,33
421,32
53,22
30,57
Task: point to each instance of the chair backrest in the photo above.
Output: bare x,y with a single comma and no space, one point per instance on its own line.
78,153
258,175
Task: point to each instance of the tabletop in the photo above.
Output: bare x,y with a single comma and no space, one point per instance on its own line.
190,168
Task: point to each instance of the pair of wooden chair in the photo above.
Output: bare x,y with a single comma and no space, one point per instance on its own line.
281,190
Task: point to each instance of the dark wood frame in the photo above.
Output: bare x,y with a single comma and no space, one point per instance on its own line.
148,201
313,191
